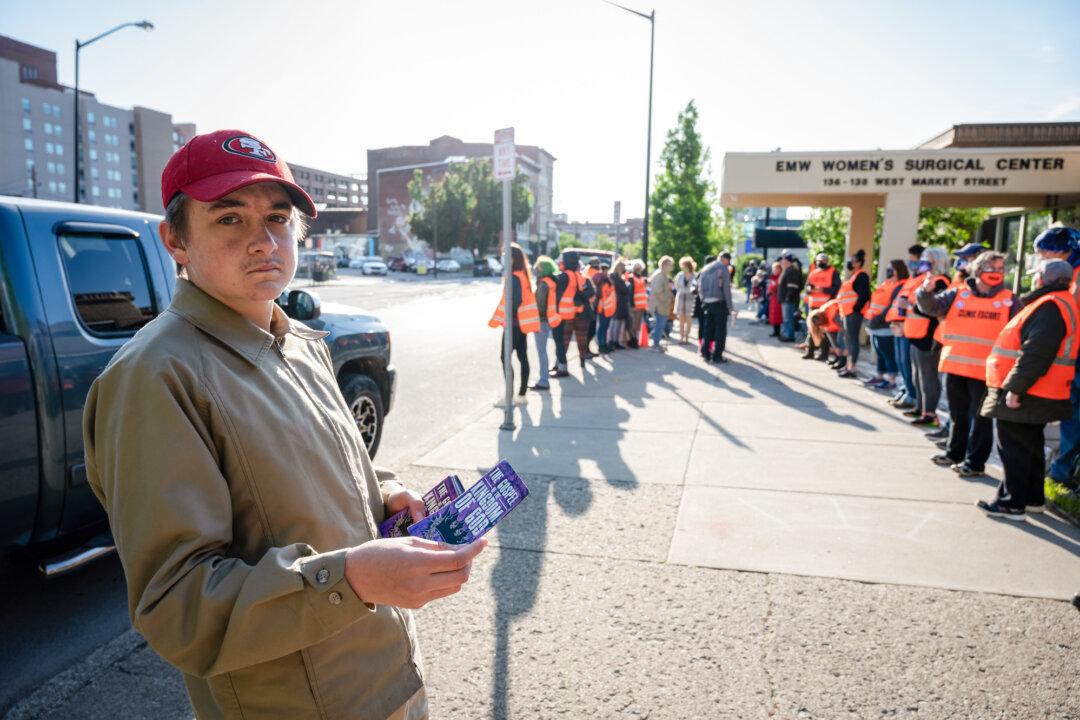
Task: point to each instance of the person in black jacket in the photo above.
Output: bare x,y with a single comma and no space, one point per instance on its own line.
1022,417
617,327
791,283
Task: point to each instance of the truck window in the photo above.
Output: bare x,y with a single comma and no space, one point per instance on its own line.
109,283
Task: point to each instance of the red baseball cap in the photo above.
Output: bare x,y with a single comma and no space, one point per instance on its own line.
211,166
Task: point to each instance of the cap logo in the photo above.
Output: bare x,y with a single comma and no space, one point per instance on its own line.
247,146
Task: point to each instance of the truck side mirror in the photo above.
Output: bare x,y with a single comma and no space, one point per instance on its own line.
303,305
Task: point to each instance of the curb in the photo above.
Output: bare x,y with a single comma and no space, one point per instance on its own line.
56,691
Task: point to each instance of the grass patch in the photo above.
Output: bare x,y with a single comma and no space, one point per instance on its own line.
1066,502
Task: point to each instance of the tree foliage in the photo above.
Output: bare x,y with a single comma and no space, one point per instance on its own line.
683,221
464,207
826,231
950,227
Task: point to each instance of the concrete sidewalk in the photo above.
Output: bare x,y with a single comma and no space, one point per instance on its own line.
754,540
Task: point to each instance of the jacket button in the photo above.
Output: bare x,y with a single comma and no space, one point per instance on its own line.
323,575
335,598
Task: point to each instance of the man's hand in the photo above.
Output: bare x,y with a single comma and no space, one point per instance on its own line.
1012,400
402,499
409,572
928,282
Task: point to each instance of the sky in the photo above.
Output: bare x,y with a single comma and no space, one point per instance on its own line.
321,81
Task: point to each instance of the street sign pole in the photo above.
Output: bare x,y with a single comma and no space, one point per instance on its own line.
504,167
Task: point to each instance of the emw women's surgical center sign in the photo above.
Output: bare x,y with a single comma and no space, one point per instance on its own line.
1027,170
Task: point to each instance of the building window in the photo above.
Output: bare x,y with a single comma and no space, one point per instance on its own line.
29,163
90,118
92,136
59,149
52,167
52,186
62,186
27,125
30,184
57,130
28,143
48,128
60,168
46,108
26,104
93,153
56,110
49,148
95,191
93,171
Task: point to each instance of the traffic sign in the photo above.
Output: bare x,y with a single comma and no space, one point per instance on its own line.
503,162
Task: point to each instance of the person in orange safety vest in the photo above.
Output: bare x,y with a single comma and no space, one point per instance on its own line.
918,330
1029,377
853,296
525,316
881,335
547,302
822,284
972,315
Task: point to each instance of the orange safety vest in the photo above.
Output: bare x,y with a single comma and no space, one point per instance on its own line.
819,285
971,327
831,308
880,299
1074,286
567,308
916,326
607,300
527,314
958,282
1057,381
641,299
553,316
847,297
896,313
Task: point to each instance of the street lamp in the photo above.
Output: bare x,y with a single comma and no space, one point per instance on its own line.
145,25
651,17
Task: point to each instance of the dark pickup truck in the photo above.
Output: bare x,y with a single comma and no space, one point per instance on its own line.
76,282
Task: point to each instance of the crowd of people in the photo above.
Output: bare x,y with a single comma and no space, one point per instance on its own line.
936,326
1003,361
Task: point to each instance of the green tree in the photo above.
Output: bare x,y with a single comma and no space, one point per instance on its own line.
465,206
604,242
683,222
826,231
951,227
631,251
567,240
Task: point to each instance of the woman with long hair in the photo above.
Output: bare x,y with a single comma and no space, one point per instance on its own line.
524,317
919,329
547,302
685,282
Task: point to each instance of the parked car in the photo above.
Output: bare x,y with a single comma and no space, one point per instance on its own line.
486,267
76,282
373,266
447,265
397,264
586,254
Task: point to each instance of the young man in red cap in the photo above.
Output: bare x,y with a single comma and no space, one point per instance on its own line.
241,496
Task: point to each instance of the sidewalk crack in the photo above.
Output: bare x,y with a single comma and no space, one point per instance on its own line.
766,636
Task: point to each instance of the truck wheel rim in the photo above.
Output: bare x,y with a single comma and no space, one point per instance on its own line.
367,422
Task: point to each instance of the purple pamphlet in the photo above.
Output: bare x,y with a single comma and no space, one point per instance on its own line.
397,525
475,511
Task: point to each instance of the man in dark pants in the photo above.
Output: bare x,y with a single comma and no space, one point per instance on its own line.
1028,378
714,289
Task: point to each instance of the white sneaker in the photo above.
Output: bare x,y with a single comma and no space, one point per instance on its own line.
521,400
1036,508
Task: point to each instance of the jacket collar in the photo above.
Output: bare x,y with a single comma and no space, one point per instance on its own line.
234,331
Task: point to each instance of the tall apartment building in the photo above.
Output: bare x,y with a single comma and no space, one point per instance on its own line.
390,170
123,150
329,189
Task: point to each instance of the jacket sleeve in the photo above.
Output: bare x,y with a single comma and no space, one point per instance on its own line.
834,288
861,286
153,462
1040,339
934,304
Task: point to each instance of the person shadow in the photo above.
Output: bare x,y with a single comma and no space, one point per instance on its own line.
522,538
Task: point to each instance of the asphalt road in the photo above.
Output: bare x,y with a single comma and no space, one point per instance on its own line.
448,371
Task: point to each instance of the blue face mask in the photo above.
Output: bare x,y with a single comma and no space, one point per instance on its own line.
923,267
913,265
960,264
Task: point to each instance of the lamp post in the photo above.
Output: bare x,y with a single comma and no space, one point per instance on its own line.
651,17
79,45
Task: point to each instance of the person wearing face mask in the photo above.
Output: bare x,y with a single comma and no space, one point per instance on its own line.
1029,376
1063,243
881,336
853,296
974,316
919,330
822,285
908,397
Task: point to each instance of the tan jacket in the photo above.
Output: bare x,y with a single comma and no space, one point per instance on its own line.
234,478
661,299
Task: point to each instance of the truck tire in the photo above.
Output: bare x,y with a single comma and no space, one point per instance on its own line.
365,403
